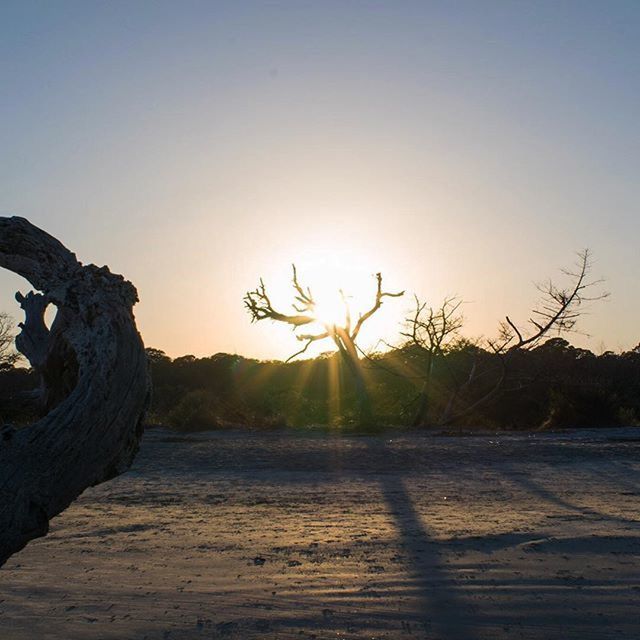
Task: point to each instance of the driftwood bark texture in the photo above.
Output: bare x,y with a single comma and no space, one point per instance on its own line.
94,383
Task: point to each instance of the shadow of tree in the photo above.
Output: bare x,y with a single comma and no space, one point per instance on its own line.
552,497
443,609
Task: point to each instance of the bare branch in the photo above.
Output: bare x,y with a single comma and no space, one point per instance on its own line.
432,329
310,339
8,356
376,305
347,312
304,297
559,309
258,304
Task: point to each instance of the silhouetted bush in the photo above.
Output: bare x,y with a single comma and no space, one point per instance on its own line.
16,403
553,386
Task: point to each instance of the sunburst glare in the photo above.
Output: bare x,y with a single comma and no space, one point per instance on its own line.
343,287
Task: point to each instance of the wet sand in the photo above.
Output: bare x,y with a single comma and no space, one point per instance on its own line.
243,535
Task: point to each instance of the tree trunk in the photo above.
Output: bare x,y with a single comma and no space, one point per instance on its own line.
94,377
349,354
421,417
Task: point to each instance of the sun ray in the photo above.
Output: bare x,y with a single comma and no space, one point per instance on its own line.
334,400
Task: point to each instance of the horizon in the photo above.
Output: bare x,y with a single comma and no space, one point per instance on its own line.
390,248
463,150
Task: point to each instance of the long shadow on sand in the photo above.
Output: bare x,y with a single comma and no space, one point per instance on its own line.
551,497
443,610
443,607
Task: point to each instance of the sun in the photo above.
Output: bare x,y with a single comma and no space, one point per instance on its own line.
327,271
330,309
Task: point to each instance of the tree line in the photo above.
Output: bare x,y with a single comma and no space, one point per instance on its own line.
527,377
554,385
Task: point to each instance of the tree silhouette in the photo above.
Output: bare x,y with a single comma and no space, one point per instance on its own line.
344,335
431,331
8,356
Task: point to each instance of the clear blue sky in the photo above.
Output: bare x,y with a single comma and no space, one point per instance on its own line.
459,147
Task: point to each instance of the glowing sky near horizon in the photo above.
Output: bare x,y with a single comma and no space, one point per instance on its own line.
464,148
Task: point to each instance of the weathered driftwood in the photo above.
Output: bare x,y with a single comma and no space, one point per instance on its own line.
94,384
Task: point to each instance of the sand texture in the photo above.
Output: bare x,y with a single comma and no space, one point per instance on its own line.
242,535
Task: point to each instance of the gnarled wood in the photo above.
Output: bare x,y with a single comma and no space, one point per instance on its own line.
94,377
48,351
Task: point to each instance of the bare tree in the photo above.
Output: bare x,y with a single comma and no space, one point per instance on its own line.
557,312
93,430
433,331
8,356
344,335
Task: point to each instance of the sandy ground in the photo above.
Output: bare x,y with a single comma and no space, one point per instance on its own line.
239,535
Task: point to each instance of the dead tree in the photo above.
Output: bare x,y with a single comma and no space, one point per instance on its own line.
558,309
8,357
95,384
344,335
433,332
557,312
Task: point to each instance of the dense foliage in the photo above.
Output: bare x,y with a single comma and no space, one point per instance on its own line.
553,386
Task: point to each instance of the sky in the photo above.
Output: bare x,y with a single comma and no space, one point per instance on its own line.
460,148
